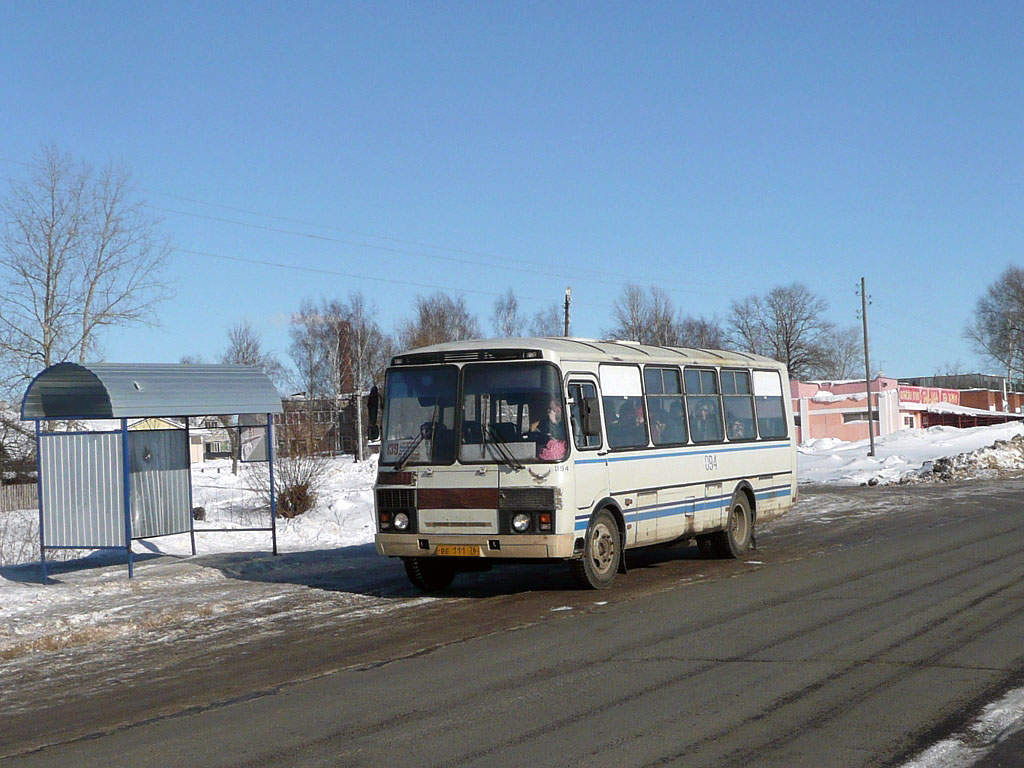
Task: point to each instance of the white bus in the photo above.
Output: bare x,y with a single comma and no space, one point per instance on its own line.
577,450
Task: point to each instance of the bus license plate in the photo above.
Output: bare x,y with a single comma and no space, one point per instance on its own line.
458,550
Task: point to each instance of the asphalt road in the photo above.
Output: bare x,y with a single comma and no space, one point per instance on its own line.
866,627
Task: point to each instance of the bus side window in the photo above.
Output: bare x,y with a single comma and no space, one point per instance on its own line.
703,405
771,415
578,391
664,391
739,405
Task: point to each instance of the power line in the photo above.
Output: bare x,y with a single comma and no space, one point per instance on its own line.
354,276
510,265
497,261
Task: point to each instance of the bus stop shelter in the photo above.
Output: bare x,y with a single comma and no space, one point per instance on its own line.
102,487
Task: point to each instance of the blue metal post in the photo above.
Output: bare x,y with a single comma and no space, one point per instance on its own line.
273,493
191,507
127,462
39,493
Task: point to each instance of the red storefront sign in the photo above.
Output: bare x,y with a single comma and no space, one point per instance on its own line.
929,395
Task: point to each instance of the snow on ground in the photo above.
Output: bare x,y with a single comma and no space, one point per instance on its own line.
92,603
95,599
912,455
997,721
92,606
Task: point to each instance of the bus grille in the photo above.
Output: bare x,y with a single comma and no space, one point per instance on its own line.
396,498
527,499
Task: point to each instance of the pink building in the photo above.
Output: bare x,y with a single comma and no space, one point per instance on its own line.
840,408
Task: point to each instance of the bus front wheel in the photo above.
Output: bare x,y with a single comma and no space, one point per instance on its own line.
601,552
734,541
429,574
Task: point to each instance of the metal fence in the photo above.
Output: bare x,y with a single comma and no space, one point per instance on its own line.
23,496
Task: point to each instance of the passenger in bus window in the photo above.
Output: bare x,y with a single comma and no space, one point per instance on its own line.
634,428
704,423
674,430
551,437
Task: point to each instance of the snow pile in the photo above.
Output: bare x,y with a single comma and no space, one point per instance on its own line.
997,721
342,516
914,455
1001,456
824,396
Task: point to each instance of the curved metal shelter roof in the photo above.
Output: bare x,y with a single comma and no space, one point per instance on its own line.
132,390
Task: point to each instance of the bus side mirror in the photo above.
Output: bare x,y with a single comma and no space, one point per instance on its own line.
591,413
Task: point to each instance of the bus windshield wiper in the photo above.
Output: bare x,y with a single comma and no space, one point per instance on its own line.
503,449
419,439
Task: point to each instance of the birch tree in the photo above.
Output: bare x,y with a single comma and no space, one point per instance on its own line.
79,254
506,320
997,328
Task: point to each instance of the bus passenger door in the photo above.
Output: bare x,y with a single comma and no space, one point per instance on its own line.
590,465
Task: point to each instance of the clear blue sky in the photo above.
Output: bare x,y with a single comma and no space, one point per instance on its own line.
715,149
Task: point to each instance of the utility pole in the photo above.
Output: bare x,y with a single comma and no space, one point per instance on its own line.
568,301
867,366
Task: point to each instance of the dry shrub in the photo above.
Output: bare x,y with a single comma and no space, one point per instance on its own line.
297,478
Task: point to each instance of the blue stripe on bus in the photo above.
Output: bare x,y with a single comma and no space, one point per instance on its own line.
668,509
704,452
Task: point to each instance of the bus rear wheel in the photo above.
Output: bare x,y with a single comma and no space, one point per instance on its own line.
734,541
429,574
601,553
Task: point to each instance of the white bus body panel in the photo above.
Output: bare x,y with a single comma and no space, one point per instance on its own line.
662,493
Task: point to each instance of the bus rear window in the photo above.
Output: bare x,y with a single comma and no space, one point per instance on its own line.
771,416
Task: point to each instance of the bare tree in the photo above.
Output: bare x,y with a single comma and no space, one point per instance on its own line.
549,321
438,318
506,320
17,445
955,368
787,324
842,356
645,316
997,329
700,333
307,351
632,315
245,347
78,253
364,349
339,351
661,324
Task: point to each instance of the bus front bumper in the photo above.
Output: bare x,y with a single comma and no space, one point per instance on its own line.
555,546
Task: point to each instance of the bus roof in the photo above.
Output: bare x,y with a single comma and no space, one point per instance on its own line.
558,348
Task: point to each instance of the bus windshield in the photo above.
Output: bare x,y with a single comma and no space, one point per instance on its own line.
511,413
419,416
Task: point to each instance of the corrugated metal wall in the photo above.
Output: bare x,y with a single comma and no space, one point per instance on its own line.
82,489
160,482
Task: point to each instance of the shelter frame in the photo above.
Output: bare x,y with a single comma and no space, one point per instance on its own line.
84,498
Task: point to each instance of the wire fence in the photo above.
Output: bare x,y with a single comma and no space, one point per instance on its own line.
22,496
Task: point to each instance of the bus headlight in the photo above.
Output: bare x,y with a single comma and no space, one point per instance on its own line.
401,522
521,522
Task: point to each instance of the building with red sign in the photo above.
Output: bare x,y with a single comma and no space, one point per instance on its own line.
839,409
